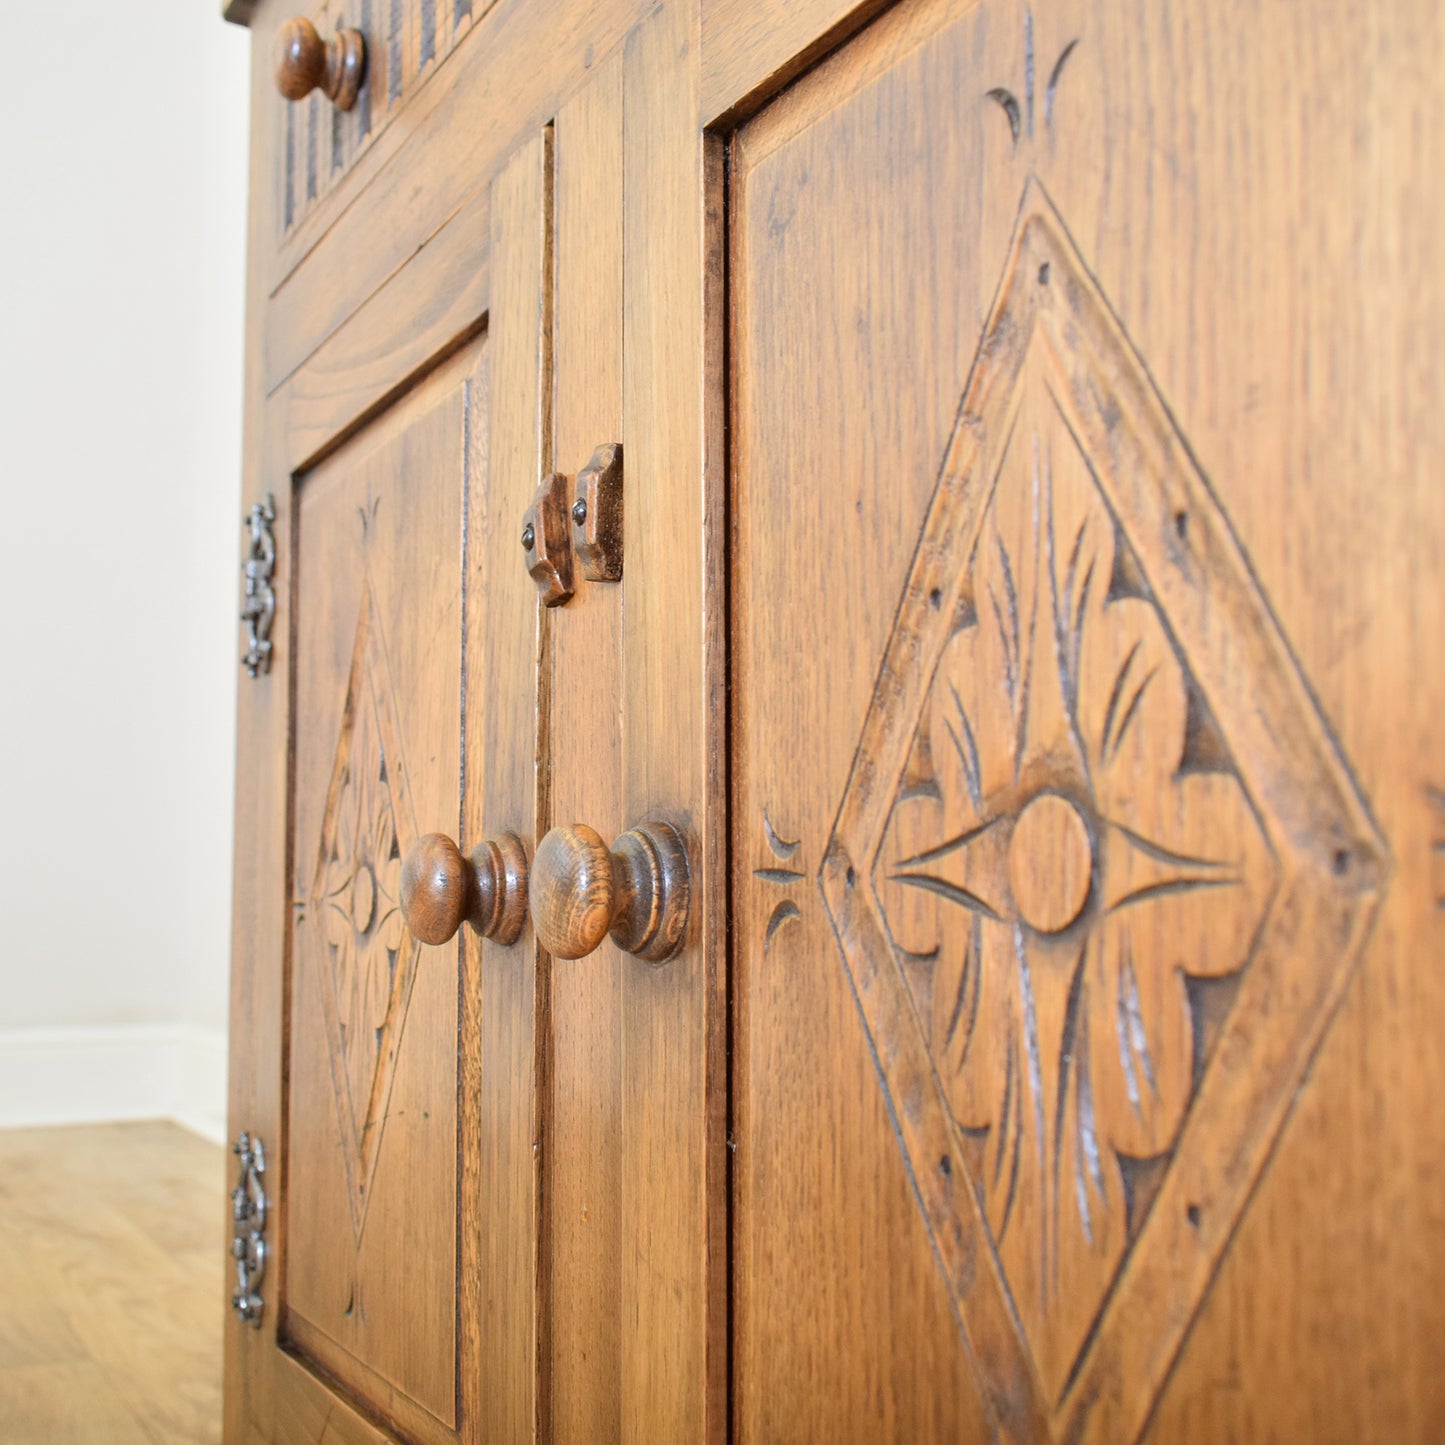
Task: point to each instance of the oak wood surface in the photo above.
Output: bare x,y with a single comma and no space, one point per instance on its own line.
375,1224
586,1126
269,1395
259,925
1213,274
1037,1058
438,302
519,62
675,1356
747,58
370,59
504,791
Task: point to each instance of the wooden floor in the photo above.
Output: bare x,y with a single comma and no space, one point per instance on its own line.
111,1282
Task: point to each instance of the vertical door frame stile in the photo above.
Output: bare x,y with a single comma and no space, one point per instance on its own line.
506,676
675,1383
543,684
584,1224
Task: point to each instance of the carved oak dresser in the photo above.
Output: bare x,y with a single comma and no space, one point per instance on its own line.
841,808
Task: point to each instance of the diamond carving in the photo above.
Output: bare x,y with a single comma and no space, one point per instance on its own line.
1099,873
354,933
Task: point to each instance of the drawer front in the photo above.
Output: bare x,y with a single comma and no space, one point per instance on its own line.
406,43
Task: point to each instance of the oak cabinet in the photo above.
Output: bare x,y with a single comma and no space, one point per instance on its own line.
1028,420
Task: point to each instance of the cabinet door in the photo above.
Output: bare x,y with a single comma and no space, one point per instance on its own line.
377,1129
1087,769
394,1085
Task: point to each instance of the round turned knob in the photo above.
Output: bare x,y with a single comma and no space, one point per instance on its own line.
637,891
305,62
441,887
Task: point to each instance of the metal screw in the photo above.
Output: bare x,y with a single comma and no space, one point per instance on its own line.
579,512
528,536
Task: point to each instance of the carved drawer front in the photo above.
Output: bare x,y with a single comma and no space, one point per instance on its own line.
318,143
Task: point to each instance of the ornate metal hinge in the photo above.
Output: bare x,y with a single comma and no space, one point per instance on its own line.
260,604
248,1216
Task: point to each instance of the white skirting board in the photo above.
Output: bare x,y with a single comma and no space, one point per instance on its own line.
100,1075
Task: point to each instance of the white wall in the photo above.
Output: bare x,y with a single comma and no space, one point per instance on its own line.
122,252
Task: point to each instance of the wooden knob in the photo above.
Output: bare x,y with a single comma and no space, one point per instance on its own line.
441,888
305,62
637,890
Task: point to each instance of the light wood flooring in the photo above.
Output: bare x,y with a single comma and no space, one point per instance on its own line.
112,1279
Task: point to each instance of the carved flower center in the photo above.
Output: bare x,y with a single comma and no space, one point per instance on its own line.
363,898
1050,863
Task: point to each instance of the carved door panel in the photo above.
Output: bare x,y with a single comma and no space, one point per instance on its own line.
1086,806
377,1122
393,1083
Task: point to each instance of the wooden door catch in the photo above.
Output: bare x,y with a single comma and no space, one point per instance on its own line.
547,541
597,515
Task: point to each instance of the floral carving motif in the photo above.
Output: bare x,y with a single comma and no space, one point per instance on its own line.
369,960
1098,873
1057,989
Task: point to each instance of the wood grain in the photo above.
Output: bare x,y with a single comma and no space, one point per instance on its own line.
587,1128
435,304
1085,824
574,893
436,887
377,650
674,1364
745,63
520,62
259,927
441,888
1054,1221
370,58
547,540
506,989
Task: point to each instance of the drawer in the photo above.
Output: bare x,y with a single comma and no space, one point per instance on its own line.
364,219
317,143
